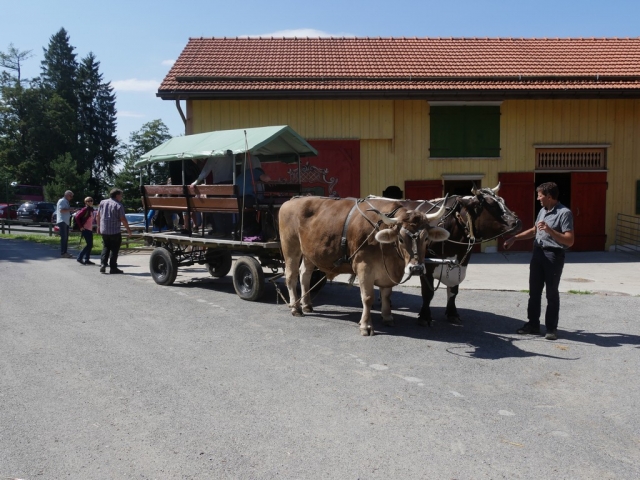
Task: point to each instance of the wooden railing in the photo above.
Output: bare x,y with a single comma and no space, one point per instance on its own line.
571,158
627,234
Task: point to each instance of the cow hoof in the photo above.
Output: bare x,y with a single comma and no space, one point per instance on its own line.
424,322
296,312
308,309
389,322
366,331
454,320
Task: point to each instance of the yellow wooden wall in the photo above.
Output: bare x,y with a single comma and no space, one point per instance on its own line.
394,137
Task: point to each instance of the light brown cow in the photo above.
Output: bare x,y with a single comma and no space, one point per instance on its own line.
385,243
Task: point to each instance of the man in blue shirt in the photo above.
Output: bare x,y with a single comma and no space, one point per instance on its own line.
63,219
553,232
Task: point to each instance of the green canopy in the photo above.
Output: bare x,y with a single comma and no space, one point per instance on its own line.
267,143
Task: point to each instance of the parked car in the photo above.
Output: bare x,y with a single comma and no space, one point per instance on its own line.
136,221
35,212
9,211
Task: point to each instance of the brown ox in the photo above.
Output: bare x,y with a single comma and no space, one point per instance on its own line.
380,248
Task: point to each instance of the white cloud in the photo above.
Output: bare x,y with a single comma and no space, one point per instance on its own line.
167,63
135,85
300,33
124,113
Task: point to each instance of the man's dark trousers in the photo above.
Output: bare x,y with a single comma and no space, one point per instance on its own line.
545,270
111,247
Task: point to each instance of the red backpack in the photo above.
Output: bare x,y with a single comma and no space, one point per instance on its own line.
79,218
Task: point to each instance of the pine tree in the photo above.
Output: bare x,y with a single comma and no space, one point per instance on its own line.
59,72
97,117
60,68
12,60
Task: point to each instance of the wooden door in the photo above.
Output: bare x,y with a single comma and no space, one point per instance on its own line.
423,189
588,204
519,192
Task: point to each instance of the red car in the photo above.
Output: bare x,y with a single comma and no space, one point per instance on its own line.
9,211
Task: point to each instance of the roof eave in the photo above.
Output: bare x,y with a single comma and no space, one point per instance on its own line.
466,94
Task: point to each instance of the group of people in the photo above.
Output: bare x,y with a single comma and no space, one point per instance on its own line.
109,216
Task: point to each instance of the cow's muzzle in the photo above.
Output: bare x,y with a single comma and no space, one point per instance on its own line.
417,269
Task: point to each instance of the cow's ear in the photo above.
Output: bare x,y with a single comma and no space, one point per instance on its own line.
437,234
387,235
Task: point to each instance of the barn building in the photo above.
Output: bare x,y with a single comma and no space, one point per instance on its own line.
435,115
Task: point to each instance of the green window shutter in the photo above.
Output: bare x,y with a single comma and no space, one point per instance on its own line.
465,131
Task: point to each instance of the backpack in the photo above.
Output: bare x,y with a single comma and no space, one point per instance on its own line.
79,218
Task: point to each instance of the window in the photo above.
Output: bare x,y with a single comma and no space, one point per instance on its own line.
465,131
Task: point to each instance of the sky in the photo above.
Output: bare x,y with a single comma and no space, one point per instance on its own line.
136,41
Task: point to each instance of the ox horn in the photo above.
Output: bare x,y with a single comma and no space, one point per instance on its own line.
436,216
495,190
384,218
474,190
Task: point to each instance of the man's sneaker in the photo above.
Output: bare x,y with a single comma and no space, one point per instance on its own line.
66,255
103,269
114,271
551,335
528,329
80,261
89,262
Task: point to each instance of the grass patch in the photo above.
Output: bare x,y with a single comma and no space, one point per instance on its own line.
73,241
580,292
523,291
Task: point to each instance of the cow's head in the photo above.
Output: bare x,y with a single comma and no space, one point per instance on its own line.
412,232
490,215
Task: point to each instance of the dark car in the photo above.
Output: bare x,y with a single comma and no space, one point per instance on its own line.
36,212
9,211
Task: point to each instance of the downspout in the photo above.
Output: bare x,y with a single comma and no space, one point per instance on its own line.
184,119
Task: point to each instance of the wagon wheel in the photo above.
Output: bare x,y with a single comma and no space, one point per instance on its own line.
220,264
163,266
248,279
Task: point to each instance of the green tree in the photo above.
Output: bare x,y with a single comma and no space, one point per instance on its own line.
151,135
13,60
97,116
58,80
128,179
141,141
66,177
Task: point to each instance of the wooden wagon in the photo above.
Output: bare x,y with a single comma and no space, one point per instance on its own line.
179,249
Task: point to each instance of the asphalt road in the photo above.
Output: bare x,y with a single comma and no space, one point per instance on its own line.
189,381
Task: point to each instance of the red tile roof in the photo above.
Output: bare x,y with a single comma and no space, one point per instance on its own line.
251,67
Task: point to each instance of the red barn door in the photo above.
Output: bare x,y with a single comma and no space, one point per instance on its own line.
588,204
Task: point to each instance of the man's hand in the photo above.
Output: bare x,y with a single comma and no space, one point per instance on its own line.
508,242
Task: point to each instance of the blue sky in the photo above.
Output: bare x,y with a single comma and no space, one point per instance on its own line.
136,40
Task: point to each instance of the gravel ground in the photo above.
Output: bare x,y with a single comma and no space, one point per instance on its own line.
189,381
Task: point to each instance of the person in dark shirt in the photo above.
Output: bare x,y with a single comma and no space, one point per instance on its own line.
553,233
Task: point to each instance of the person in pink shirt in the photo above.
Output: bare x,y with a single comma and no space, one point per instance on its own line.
86,217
